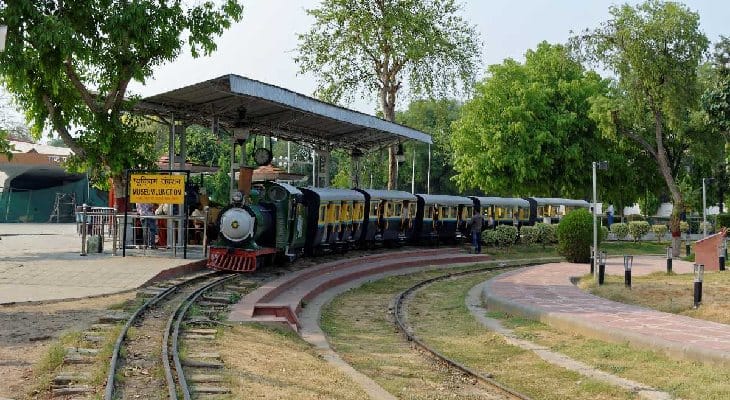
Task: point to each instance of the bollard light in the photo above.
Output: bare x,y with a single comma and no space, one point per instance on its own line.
593,260
669,260
721,256
601,267
628,263
699,270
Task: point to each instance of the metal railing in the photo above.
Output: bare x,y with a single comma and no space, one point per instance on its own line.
106,223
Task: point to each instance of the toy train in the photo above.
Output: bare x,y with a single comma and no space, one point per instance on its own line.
282,221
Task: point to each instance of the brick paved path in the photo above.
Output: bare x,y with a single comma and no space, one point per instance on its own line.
545,293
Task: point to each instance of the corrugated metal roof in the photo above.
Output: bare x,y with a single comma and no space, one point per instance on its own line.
335,194
389,194
445,200
503,201
553,201
277,112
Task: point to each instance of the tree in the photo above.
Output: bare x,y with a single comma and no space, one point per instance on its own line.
654,49
68,65
527,131
435,118
383,45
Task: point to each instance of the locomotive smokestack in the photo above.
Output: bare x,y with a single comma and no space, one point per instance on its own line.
245,175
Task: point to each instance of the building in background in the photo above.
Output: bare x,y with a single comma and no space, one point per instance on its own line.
34,186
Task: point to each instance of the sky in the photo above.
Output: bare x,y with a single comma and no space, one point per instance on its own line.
262,45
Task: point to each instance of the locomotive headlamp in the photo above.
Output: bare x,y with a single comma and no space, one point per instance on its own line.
237,197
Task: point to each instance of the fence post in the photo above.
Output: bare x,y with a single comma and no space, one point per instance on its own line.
84,229
205,232
114,228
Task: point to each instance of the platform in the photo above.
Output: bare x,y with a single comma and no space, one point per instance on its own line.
41,262
545,293
282,300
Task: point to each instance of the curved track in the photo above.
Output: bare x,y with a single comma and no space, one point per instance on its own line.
398,313
171,340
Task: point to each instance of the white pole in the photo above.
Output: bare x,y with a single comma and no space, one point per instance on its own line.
428,173
3,35
413,173
704,209
595,226
314,169
288,156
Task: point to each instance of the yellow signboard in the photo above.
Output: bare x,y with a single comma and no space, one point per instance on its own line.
157,188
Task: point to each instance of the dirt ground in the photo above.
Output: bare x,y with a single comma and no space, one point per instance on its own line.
27,330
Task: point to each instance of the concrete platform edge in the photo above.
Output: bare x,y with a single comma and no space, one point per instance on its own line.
575,324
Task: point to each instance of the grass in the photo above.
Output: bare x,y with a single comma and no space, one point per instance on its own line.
274,363
669,293
45,370
682,379
444,321
361,331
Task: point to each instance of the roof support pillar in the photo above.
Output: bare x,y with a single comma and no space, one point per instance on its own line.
355,160
323,176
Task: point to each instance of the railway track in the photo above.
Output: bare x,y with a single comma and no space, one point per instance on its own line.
163,318
399,314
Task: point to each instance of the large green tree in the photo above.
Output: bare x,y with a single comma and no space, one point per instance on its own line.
654,49
69,63
716,105
382,46
527,131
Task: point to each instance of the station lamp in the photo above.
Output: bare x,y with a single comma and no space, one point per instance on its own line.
400,157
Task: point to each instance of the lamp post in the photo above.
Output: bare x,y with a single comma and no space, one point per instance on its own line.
604,166
704,205
699,270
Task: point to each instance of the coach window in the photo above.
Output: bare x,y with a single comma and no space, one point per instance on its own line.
398,209
388,209
346,212
412,210
322,209
357,211
374,209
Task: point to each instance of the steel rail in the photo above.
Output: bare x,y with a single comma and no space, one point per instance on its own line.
109,390
176,319
398,311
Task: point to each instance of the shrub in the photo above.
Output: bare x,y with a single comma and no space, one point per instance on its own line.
603,233
529,235
546,233
505,235
637,229
723,220
683,226
659,230
634,217
489,237
575,236
621,230
708,224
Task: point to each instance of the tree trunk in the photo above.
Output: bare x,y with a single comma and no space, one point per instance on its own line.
387,104
120,191
666,171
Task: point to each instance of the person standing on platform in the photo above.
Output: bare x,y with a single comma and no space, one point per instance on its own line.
146,210
609,215
476,231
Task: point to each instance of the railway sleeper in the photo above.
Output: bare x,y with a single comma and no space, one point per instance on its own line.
217,298
202,331
72,390
205,378
66,378
101,327
204,389
195,336
210,364
114,318
93,337
76,358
